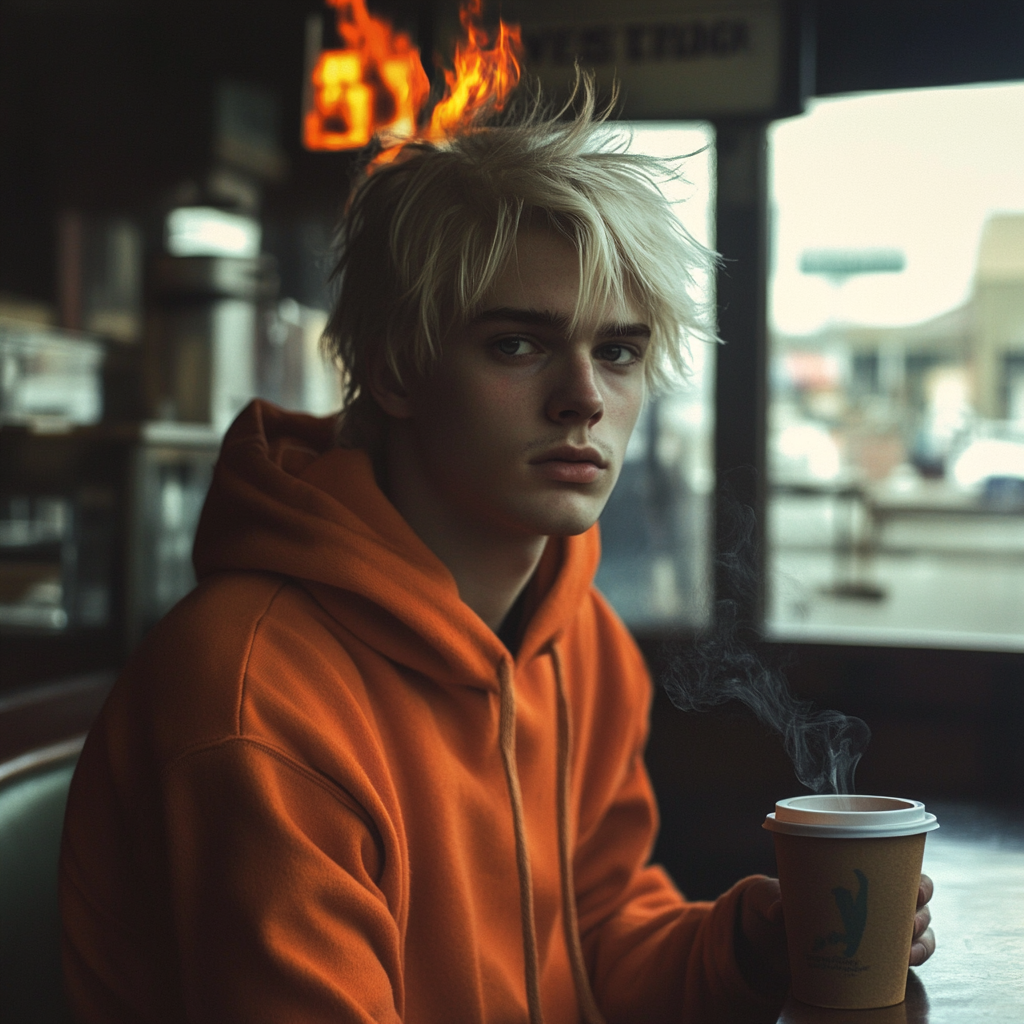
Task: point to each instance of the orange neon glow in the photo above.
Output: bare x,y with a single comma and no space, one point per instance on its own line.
376,83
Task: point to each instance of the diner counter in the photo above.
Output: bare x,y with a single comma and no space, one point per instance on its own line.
976,974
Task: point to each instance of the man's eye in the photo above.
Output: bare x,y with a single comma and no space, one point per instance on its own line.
515,346
619,355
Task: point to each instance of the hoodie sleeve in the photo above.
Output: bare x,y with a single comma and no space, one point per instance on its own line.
246,828
651,954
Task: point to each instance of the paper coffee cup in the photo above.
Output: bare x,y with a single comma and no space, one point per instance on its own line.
849,868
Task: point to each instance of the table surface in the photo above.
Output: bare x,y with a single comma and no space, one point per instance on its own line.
976,974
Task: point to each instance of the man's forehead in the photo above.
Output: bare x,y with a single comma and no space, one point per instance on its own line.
540,284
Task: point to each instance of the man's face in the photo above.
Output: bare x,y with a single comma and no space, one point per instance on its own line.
522,427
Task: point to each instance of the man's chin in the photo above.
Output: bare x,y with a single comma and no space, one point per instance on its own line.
568,521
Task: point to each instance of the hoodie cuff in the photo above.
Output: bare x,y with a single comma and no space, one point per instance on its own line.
739,999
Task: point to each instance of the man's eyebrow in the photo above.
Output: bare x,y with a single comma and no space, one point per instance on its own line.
536,317
546,318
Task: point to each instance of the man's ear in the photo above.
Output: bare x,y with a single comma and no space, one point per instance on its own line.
389,392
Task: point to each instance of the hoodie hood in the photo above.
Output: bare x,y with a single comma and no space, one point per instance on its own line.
286,500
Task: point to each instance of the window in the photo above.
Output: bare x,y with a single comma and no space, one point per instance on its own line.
655,530
896,317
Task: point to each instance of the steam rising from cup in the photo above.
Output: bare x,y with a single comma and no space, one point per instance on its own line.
720,666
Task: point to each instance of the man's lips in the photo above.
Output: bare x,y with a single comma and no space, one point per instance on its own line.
570,464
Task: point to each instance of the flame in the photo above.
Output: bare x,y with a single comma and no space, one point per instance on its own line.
484,75
376,83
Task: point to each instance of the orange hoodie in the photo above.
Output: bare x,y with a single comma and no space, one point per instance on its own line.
323,790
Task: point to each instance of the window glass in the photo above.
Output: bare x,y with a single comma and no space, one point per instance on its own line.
655,528
896,316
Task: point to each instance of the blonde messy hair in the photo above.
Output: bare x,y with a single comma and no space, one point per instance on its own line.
423,239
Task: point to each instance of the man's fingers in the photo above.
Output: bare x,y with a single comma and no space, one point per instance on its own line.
925,890
761,937
922,948
764,897
924,938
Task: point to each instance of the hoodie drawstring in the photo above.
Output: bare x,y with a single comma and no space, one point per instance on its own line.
507,740
588,1006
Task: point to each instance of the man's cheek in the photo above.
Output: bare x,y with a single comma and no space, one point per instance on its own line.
506,393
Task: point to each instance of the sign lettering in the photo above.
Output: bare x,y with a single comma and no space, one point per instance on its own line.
667,59
599,45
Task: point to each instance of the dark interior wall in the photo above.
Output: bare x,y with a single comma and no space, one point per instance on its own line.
106,107
945,724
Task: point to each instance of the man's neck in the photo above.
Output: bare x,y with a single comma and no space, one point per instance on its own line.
491,569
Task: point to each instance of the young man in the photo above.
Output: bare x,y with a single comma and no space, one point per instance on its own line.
385,763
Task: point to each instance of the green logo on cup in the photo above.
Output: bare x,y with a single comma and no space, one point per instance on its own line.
854,912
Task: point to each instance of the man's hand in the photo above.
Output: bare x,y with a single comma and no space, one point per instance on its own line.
924,938
761,933
760,937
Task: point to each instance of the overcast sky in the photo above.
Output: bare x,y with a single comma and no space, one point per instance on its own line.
917,170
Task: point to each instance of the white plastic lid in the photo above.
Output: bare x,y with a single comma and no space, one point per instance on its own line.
828,816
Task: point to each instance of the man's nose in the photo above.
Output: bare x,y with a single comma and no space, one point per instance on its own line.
576,397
